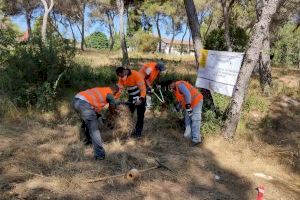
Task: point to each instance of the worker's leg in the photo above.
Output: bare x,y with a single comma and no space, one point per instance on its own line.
188,126
89,116
85,132
196,122
140,119
148,101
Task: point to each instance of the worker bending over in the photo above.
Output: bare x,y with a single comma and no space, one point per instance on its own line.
135,85
150,72
191,100
88,104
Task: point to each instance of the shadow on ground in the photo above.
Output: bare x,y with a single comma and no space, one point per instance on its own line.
62,165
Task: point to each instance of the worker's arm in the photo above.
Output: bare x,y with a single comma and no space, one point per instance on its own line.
186,93
112,103
121,88
148,72
141,85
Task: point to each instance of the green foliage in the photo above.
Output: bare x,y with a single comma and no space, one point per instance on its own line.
82,77
215,39
7,42
97,40
211,123
31,72
143,41
286,46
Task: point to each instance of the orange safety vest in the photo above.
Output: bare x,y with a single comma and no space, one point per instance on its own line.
196,96
96,97
134,83
154,72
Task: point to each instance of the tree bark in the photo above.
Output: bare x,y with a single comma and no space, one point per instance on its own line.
173,36
111,29
250,59
28,22
190,37
82,27
45,18
181,45
226,7
264,61
125,60
195,30
158,31
194,27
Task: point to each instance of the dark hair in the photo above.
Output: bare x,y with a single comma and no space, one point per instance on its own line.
119,70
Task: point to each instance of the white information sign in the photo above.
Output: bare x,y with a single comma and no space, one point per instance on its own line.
220,71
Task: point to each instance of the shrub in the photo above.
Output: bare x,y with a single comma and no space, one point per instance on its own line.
31,73
143,41
215,40
97,40
286,46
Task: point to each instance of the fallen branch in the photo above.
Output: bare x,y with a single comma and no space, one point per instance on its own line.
120,175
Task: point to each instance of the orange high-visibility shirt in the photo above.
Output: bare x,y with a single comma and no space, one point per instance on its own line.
134,83
96,97
196,96
149,77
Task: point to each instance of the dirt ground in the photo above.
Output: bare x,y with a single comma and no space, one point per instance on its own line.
42,157
40,161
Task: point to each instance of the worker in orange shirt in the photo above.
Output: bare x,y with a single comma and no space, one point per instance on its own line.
88,104
191,100
135,85
151,72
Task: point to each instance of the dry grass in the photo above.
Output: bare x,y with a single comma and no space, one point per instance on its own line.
48,146
119,125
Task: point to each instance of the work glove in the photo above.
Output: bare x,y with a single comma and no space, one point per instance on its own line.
188,110
150,90
140,101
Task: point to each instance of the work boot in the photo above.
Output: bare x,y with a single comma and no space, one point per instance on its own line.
100,157
197,144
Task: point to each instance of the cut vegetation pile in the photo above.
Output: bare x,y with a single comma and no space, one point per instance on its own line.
119,125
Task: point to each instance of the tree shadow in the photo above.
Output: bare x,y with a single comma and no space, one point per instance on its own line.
281,129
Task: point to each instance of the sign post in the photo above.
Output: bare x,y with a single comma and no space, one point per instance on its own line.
219,71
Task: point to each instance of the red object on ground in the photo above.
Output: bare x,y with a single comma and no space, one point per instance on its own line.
261,191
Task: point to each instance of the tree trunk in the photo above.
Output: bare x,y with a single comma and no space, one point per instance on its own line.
125,60
158,31
194,27
195,30
111,30
173,36
265,65
250,59
190,37
181,45
28,22
82,27
45,18
73,34
264,62
226,7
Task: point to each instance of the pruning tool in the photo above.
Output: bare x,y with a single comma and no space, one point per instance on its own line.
161,97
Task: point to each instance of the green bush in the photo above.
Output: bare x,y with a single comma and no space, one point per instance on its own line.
31,73
97,40
286,46
143,41
7,42
215,40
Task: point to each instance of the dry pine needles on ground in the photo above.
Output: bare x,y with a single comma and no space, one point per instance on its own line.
118,125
